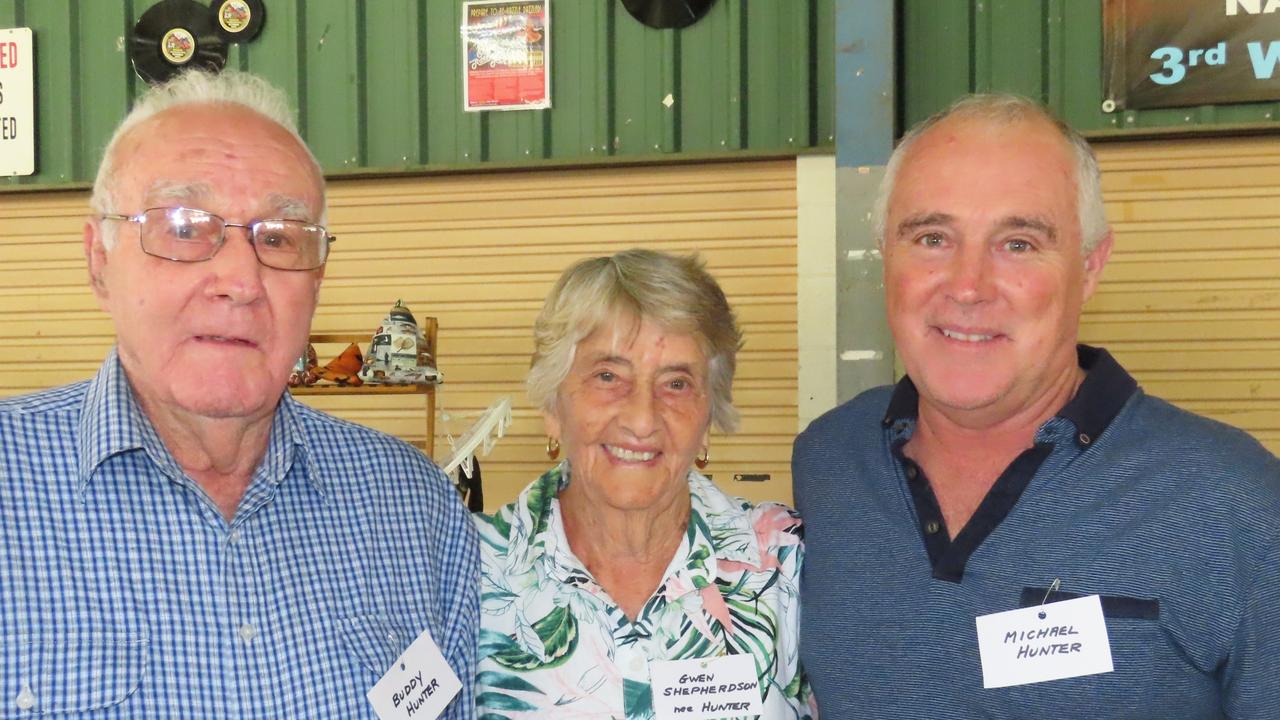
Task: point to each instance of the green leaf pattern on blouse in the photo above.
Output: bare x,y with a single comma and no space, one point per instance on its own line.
550,636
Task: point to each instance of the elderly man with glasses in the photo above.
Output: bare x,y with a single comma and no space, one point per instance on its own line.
178,537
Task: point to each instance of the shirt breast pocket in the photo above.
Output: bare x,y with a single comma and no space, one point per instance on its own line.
1133,626
1114,607
376,641
69,674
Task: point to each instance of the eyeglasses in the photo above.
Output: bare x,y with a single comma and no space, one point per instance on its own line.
186,235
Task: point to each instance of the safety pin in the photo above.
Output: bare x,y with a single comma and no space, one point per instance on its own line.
1053,587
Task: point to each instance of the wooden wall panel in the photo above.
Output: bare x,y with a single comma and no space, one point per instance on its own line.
1190,301
479,252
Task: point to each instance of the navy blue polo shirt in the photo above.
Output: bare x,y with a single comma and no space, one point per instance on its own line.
1173,519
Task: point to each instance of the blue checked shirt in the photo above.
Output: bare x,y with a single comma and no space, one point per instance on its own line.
124,592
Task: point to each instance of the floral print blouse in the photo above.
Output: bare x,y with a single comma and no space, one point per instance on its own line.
554,645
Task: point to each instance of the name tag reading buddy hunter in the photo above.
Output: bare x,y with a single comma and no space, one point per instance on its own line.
707,688
419,684
1047,642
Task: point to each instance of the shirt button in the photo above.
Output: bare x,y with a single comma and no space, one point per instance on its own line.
234,537
26,699
247,632
932,527
912,472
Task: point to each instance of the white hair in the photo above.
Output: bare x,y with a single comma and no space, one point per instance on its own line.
999,108
675,292
196,87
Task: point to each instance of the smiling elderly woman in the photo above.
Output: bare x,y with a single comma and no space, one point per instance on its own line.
623,558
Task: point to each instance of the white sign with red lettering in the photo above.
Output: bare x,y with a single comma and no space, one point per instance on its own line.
17,102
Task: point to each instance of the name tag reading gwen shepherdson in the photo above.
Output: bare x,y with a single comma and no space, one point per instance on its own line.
707,688
1047,642
419,684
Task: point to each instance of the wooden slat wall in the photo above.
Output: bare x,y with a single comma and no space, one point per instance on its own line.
479,252
51,331
1190,302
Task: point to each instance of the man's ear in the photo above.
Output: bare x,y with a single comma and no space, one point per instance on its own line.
95,255
1093,264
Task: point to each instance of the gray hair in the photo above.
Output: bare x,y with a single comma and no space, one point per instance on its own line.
196,87
1008,110
674,292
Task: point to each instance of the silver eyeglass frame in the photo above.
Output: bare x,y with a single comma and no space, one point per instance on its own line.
141,218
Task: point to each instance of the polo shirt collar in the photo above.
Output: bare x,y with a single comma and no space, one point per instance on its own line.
1106,388
112,422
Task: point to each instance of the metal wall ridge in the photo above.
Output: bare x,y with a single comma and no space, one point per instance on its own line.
378,85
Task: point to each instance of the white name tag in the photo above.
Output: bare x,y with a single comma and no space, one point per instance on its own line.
419,685
708,688
1047,642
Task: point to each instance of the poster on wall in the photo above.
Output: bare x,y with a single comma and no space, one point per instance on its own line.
17,102
506,55
1175,53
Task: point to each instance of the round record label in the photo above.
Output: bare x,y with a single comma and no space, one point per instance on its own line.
178,46
234,15
238,20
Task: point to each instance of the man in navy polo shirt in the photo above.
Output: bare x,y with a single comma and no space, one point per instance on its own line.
1137,545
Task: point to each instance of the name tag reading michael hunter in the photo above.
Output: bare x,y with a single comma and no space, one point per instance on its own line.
419,684
720,687
1046,642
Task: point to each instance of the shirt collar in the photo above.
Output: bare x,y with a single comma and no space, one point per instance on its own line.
288,445
1106,388
717,520
711,533
112,422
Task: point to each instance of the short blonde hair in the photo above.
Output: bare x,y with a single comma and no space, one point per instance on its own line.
674,292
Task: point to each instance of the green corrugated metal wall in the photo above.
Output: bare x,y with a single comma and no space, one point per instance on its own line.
378,83
1045,49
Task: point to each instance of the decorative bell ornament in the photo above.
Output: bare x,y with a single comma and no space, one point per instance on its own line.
398,353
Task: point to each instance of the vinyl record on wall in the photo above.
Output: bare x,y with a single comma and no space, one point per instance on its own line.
664,14
172,36
238,21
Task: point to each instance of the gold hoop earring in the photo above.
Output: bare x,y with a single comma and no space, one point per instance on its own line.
553,447
703,459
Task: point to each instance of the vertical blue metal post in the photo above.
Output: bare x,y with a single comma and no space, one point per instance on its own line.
866,34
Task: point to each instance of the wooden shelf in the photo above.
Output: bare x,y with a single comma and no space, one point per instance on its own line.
366,389
427,390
